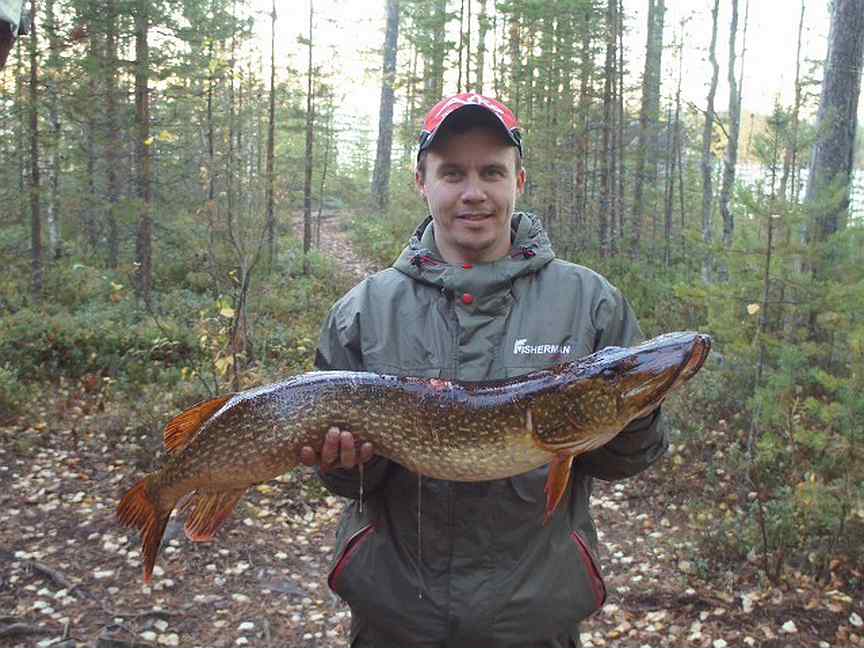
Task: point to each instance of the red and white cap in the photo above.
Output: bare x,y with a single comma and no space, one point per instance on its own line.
470,101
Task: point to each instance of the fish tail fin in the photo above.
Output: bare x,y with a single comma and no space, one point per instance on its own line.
138,509
209,512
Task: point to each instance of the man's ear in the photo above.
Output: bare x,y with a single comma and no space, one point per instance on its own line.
418,182
521,178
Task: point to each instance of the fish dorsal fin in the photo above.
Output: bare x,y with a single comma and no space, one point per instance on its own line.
183,427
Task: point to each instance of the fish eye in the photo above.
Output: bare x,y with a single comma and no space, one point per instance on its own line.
608,374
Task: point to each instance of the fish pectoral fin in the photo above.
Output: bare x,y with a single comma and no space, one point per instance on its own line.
183,427
556,483
210,509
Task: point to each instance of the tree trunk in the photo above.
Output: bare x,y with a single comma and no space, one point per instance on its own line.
307,176
434,65
515,47
113,138
480,56
468,50
381,173
328,143
707,155
649,119
582,121
831,164
144,236
93,136
731,158
54,65
271,137
619,137
790,159
607,164
36,252
461,44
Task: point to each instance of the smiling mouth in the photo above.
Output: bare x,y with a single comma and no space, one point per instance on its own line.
474,217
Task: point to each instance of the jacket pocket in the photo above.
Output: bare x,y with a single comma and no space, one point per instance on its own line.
594,575
351,547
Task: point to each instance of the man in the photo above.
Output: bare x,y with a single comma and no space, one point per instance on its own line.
476,295
10,24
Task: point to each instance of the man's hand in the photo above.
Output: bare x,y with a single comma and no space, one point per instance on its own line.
340,450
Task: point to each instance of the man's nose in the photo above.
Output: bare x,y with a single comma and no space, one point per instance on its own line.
473,190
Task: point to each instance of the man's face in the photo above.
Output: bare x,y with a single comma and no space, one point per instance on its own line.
471,185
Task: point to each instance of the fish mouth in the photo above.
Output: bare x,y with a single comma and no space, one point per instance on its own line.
660,366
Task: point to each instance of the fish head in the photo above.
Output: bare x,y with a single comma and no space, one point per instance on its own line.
616,385
643,376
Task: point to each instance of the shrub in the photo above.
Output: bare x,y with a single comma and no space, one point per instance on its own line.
14,393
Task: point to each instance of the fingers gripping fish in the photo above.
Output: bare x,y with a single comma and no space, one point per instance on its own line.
441,429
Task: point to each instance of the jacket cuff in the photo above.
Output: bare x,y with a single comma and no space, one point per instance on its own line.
345,482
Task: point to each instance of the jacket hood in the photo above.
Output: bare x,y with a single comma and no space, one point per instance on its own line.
529,252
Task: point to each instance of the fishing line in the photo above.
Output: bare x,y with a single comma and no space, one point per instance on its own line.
362,480
419,537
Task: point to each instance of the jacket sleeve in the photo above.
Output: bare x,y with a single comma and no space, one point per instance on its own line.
644,440
339,349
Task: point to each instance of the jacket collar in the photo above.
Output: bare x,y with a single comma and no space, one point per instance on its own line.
530,251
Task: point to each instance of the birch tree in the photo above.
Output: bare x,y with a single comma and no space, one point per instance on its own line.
730,160
707,155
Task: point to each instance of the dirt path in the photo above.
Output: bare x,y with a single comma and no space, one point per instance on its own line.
69,576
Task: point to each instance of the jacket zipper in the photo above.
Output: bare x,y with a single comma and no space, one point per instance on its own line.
594,576
351,547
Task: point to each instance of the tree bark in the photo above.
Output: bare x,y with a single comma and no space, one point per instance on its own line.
582,121
649,119
831,163
731,158
112,141
480,56
307,176
707,155
434,65
143,143
619,136
53,211
381,173
36,252
605,214
271,136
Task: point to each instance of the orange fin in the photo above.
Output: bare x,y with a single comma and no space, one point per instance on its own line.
556,483
183,427
137,509
210,510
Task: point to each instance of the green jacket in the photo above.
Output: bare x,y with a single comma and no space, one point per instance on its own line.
489,573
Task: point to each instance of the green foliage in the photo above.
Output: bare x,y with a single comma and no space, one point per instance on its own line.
14,392
102,338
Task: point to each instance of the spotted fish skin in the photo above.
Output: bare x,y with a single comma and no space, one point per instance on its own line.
438,428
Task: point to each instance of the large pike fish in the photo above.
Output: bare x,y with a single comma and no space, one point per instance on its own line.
438,428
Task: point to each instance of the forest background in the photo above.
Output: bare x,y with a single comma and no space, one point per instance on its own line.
166,167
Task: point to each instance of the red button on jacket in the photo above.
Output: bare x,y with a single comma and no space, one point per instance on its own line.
467,298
